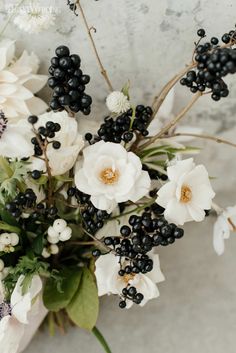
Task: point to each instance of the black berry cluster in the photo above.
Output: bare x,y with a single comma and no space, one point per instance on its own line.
68,82
155,174
123,127
92,217
44,136
23,201
135,242
213,63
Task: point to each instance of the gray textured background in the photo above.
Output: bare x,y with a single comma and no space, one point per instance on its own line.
147,42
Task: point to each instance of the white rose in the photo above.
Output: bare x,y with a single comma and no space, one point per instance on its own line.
111,175
64,158
187,194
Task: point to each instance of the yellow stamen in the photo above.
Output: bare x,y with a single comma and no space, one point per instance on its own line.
186,194
109,176
128,277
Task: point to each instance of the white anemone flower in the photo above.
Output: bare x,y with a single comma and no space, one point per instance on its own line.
109,281
19,82
224,225
33,18
187,194
14,317
117,102
111,175
63,159
14,139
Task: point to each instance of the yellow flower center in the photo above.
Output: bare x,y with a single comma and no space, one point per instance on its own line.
128,277
109,176
186,194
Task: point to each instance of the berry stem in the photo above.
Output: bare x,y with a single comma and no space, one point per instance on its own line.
89,29
173,122
207,137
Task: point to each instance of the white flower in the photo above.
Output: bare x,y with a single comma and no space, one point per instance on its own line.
14,140
14,319
117,102
111,175
8,241
187,194
19,82
34,18
64,158
224,224
109,281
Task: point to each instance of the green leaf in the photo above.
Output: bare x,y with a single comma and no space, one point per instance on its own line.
55,299
7,217
41,181
9,228
83,309
125,89
38,244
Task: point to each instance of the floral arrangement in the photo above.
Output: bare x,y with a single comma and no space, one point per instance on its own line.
83,212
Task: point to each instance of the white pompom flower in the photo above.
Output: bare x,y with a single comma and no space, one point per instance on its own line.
111,175
33,18
224,225
187,194
19,82
109,281
117,102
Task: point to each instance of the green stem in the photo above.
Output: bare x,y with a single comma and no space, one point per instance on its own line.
101,339
137,209
11,17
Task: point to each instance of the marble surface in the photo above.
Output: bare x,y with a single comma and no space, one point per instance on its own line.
147,42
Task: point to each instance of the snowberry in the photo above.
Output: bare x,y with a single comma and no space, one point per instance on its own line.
5,239
52,233
54,249
65,234
1,265
59,225
14,239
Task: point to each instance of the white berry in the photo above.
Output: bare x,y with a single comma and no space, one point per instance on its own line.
54,249
45,253
5,239
1,265
14,239
53,240
66,234
59,225
52,233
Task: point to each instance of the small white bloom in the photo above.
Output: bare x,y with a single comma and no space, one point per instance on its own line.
14,319
187,194
64,158
65,234
19,82
224,224
33,18
109,281
111,175
117,102
59,225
